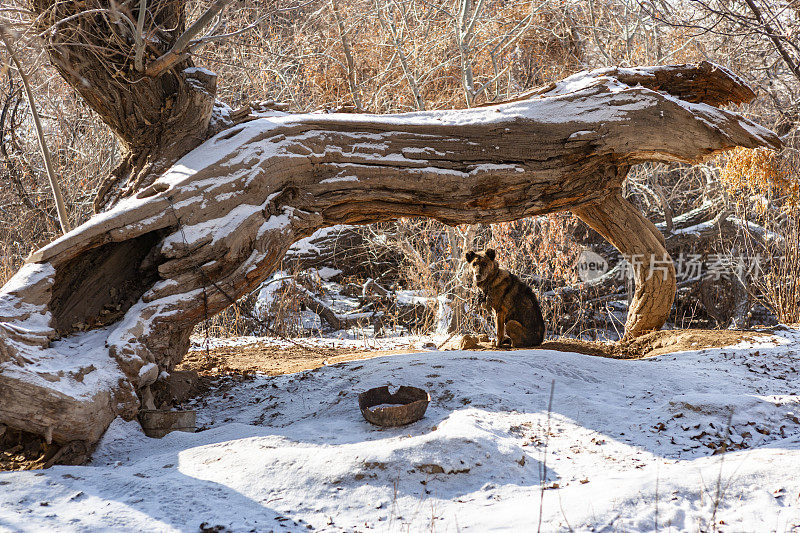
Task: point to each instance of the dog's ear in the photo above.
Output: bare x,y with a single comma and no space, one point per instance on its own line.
490,253
470,256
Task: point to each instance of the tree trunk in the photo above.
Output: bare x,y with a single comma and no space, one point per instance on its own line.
156,120
133,281
642,245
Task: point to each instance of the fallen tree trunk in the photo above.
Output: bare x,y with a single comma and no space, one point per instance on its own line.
99,313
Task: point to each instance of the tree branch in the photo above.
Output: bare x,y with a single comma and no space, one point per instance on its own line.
348,56
180,50
138,56
787,58
127,287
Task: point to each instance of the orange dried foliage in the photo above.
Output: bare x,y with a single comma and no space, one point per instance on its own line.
761,171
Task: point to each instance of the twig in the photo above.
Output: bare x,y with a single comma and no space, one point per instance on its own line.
600,47
787,58
391,28
655,520
348,56
113,12
7,113
720,493
465,26
221,36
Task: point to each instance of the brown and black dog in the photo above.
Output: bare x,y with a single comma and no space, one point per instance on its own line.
516,309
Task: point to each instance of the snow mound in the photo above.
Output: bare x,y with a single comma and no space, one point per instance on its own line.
629,445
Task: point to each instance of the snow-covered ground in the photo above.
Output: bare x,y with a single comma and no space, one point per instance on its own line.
629,448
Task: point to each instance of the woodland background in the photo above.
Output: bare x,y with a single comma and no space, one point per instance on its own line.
737,215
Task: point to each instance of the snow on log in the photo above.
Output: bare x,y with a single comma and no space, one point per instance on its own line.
97,314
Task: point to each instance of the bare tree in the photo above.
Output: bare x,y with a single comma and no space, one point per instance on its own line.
757,32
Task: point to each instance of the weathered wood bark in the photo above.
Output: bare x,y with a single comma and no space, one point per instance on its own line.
642,245
97,314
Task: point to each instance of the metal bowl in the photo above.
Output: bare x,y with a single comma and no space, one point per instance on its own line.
412,403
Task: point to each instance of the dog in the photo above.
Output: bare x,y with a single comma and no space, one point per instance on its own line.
516,310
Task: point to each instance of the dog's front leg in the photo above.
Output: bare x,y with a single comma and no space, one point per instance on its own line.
500,326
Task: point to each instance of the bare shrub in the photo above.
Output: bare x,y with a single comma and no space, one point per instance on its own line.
542,251
83,152
765,193
432,265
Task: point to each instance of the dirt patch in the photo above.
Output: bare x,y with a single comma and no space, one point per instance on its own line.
680,340
272,360
275,360
238,363
655,343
